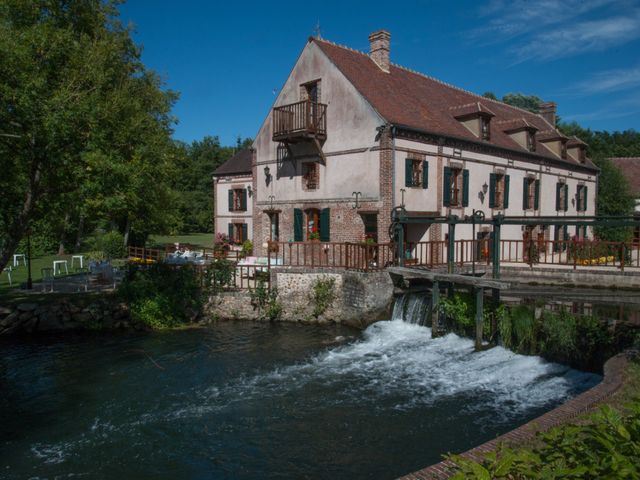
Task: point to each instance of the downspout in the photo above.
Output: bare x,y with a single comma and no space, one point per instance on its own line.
393,166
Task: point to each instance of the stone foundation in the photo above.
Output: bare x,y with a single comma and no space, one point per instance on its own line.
65,314
359,298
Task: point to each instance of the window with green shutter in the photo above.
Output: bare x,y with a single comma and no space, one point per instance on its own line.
425,174
566,197
492,190
536,195
230,232
325,225
465,188
297,225
231,200
584,205
245,232
243,200
505,198
526,188
446,194
408,172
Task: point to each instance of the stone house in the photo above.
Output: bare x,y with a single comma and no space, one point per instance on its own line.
352,135
232,193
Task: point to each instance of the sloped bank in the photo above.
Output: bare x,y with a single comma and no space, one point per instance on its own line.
312,296
615,376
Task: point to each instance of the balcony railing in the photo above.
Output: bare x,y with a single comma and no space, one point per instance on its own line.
300,119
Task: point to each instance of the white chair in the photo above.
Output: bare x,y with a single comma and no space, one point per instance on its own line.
8,270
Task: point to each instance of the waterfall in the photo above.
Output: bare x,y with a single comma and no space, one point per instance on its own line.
412,308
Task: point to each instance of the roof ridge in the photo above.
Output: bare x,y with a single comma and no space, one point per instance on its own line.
429,77
324,40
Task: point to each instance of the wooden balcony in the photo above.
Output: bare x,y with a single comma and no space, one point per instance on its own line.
300,121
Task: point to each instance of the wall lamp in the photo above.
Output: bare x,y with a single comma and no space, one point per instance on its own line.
249,190
483,193
267,175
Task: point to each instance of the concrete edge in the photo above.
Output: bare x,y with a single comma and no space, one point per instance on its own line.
615,374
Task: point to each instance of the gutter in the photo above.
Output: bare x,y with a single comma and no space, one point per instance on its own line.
555,161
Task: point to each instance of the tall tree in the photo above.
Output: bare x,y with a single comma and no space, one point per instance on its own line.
81,118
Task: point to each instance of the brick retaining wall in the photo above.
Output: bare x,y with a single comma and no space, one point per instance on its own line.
614,378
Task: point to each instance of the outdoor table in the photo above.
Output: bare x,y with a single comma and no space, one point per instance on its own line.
79,257
57,264
17,257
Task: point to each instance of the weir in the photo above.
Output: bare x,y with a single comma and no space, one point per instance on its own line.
479,284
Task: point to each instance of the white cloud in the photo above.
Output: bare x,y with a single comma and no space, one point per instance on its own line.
586,36
611,81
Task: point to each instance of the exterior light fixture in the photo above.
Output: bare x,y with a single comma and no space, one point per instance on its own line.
483,193
250,190
267,174
485,188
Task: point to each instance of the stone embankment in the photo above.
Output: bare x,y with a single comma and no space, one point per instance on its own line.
65,314
356,298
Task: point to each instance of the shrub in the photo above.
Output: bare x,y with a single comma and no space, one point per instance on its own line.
460,309
162,296
111,243
247,248
219,274
322,296
607,447
266,301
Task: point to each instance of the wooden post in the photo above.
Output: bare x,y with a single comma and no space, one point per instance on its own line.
451,252
401,246
479,317
435,309
496,246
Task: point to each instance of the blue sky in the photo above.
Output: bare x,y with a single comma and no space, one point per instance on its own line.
229,59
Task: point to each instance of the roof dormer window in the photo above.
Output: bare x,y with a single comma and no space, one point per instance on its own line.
563,149
531,140
485,128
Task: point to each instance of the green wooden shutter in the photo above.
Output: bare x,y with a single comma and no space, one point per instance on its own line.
558,187
525,193
492,190
584,205
446,193
425,174
408,172
325,225
297,225
243,199
506,192
230,230
566,197
245,232
536,195
465,188
231,200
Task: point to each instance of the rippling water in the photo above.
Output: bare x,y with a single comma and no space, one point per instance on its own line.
245,400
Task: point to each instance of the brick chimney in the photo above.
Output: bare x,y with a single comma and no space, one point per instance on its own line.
548,112
379,48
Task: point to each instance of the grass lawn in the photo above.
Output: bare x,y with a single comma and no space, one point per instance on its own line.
199,239
19,273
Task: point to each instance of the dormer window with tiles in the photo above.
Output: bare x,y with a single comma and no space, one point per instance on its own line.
577,149
553,142
476,117
521,131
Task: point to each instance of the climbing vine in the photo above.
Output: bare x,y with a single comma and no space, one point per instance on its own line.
322,295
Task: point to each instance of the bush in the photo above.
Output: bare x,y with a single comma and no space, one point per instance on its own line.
323,295
111,243
247,248
266,301
607,447
161,296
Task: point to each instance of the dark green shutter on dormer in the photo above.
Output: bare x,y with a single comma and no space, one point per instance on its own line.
408,172
425,174
297,225
243,200
505,203
446,193
566,197
465,188
558,187
325,225
536,195
525,193
492,190
231,200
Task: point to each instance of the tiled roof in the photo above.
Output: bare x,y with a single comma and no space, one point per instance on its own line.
468,109
515,124
239,163
407,98
630,166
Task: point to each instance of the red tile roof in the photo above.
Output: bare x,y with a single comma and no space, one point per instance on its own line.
407,98
240,163
630,166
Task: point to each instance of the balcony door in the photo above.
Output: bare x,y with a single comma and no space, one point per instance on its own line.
312,92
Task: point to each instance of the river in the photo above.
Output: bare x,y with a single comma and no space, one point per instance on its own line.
248,400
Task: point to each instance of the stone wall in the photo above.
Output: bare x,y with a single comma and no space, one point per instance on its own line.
605,278
359,298
64,314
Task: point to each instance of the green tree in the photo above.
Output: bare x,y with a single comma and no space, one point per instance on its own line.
84,126
526,102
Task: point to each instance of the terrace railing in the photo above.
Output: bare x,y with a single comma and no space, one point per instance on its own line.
305,118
